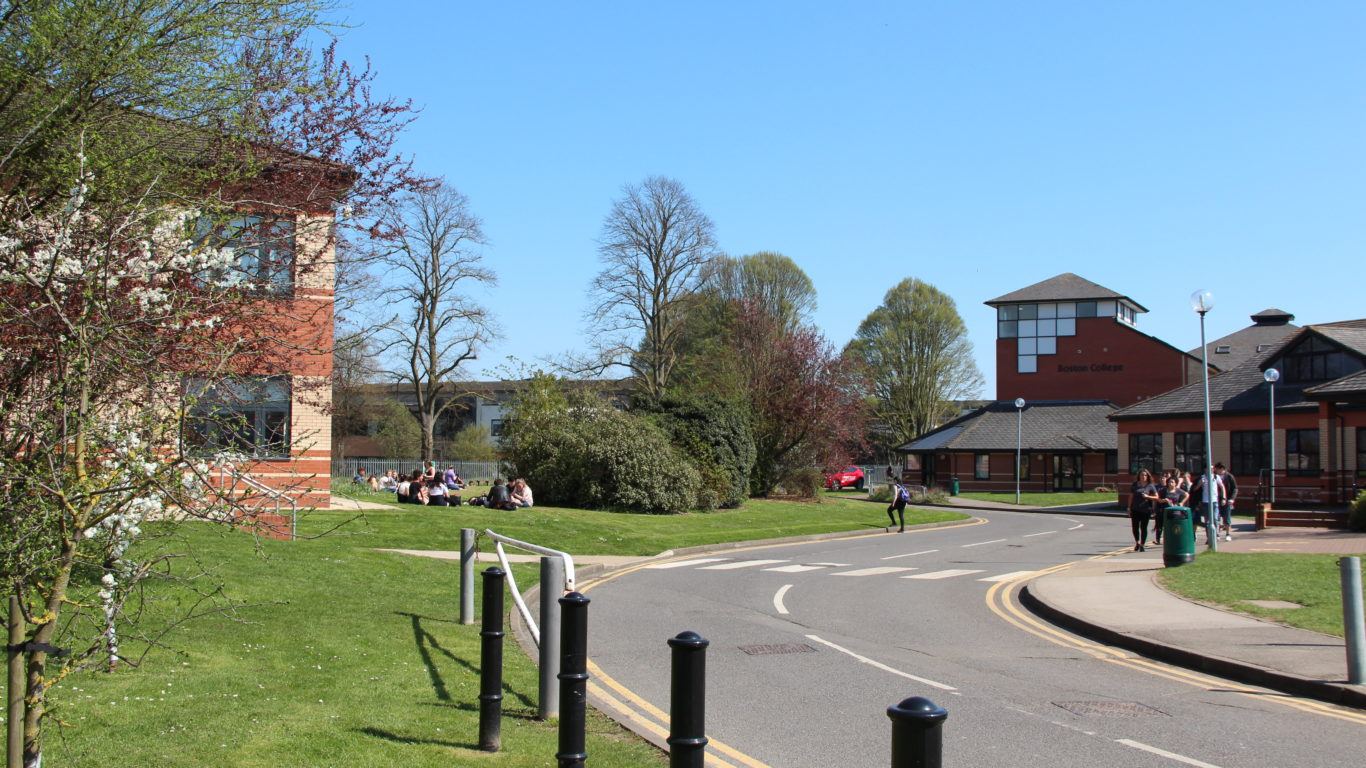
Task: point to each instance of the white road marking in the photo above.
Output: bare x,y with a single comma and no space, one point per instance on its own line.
1007,576
878,571
1165,753
797,568
1041,533
739,564
833,565
944,574
686,563
980,543
911,554
778,599
1079,524
881,666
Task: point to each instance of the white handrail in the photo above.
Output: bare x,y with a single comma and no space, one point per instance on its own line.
273,493
499,540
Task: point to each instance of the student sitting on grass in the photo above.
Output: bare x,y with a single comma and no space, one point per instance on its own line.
520,495
499,498
436,493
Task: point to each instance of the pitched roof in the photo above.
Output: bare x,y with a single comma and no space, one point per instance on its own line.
1064,287
1347,385
1058,425
1269,329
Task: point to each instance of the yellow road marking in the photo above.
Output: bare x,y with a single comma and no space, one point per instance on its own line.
1002,593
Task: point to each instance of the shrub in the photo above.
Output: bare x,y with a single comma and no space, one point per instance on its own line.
1104,489
881,493
1356,518
930,496
716,436
805,482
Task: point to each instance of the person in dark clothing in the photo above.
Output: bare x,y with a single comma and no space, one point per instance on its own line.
499,497
900,495
1142,496
1171,496
1230,497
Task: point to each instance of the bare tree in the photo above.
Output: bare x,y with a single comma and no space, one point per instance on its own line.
655,245
441,325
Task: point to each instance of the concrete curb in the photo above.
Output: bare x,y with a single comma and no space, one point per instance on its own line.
1295,685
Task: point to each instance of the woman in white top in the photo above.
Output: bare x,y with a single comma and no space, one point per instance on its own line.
521,493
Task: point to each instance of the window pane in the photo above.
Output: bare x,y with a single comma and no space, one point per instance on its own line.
1023,468
1027,346
1048,311
1105,309
1145,452
1010,312
1048,327
1028,364
1029,327
1048,345
1086,309
1029,311
1067,309
1067,327
982,467
1006,329
244,415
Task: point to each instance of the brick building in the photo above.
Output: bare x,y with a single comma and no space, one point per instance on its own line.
1071,349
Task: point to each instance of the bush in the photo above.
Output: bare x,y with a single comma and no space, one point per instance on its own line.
881,493
930,496
1356,518
804,483
716,436
1104,489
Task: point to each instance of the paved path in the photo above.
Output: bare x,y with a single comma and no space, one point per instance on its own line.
811,642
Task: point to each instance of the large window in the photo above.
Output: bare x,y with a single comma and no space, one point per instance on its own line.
248,416
1037,326
1251,452
1315,359
1302,451
981,466
262,251
1145,452
1023,468
1190,452
1361,451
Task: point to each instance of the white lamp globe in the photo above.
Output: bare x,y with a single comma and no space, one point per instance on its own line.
1202,301
1272,375
1019,402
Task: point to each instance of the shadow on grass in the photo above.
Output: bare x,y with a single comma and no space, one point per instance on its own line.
399,739
427,643
516,713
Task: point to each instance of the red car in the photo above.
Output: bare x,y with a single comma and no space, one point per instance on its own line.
851,477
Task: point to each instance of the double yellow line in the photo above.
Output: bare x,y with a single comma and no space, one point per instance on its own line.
1001,600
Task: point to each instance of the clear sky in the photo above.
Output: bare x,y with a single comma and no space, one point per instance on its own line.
1153,147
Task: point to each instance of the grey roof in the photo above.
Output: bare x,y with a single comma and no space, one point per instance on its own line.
1267,332
1064,287
1347,385
1059,425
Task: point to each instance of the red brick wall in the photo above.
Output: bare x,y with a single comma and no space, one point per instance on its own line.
1105,360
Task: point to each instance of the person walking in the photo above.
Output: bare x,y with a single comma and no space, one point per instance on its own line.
1230,497
1211,495
1142,495
900,495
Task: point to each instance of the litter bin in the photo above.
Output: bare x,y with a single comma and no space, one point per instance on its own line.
1178,537
953,486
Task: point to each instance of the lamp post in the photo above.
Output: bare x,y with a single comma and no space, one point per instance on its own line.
1202,301
1272,376
1019,438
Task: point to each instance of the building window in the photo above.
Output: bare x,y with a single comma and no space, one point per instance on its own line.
1086,309
1315,359
1023,469
1190,452
262,251
496,428
247,416
1028,364
981,466
1112,463
912,462
1361,451
1007,329
1067,326
1302,452
1251,452
1145,452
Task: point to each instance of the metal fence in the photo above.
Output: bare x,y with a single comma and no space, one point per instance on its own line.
469,470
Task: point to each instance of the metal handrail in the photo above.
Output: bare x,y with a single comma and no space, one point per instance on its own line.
273,493
499,540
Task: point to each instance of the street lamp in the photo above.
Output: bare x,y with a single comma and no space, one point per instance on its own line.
1202,301
1019,433
1272,376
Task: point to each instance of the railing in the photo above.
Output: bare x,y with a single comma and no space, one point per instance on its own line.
499,540
1311,489
469,470
278,496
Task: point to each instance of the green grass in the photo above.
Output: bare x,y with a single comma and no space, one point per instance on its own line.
1228,579
1036,499
338,654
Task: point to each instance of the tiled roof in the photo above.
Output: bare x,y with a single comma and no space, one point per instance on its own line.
1064,287
1065,425
1271,314
1246,344
1347,385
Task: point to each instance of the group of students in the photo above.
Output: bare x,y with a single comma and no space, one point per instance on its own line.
1149,498
429,488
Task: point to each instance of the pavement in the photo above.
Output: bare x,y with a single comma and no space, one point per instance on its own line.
1092,508
1118,601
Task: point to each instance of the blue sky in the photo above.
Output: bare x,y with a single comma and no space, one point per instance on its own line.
1154,147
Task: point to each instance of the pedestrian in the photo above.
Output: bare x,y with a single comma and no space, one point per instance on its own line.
1172,496
1230,497
900,496
499,498
1211,497
1142,495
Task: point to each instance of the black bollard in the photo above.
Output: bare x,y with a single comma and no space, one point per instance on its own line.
688,702
573,680
917,735
491,662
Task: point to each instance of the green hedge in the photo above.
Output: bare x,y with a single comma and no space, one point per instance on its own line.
716,436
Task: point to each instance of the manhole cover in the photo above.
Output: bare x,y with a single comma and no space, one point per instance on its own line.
776,650
1108,708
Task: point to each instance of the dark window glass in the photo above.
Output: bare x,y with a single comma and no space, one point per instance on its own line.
1112,463
262,252
1302,451
496,428
1024,466
1029,311
1006,329
1145,452
1086,309
982,466
1010,312
1190,452
1361,451
247,416
1314,360
1251,452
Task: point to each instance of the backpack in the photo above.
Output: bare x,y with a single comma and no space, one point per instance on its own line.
902,494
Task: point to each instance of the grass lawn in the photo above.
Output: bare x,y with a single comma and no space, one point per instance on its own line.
1228,579
1037,499
337,654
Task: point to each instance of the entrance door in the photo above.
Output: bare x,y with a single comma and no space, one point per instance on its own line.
1067,472
927,473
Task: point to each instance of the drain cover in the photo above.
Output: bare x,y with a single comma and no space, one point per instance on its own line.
777,650
1108,708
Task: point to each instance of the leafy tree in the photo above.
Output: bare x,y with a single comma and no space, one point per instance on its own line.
770,281
915,356
472,443
656,242
716,435
397,433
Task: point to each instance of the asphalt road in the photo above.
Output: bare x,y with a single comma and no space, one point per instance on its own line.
811,643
